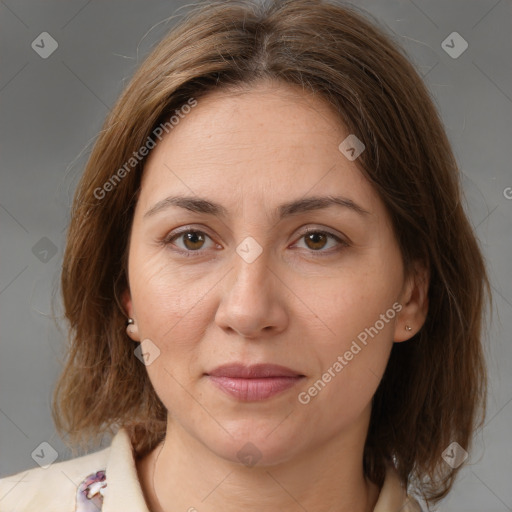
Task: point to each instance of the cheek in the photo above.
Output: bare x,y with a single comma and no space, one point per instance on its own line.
161,288
171,306
352,303
172,311
350,374
353,344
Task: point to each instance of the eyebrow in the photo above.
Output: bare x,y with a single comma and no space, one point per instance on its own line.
205,206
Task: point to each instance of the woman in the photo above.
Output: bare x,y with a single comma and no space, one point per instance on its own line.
275,297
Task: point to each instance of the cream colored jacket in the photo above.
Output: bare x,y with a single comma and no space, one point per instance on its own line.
113,485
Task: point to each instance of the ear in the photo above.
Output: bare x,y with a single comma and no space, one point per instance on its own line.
414,301
133,329
126,301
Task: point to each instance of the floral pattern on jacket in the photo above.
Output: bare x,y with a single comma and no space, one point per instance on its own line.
90,492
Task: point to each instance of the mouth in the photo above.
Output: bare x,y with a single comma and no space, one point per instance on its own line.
254,383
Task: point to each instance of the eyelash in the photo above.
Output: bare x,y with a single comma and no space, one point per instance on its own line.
317,254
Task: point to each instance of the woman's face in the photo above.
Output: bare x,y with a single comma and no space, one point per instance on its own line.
235,278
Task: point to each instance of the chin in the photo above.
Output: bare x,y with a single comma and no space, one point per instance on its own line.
256,443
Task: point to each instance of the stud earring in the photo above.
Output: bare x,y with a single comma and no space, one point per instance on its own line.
407,328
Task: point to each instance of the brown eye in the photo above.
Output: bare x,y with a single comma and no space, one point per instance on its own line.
193,240
316,240
190,240
320,243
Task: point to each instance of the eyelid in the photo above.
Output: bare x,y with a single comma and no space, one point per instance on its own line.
318,229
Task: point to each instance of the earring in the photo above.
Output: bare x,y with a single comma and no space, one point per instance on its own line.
407,328
129,325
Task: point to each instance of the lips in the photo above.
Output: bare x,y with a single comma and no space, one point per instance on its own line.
253,383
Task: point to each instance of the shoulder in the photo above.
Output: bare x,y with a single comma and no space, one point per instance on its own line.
53,488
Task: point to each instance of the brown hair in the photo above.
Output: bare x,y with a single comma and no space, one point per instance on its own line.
434,388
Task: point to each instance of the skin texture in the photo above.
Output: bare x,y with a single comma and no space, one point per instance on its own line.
251,152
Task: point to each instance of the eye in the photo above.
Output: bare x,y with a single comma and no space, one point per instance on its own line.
192,240
316,240
189,241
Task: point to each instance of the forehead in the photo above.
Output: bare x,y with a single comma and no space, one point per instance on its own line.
266,142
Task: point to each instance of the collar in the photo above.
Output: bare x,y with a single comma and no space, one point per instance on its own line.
123,490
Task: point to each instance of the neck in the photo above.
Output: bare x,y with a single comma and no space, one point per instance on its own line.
183,474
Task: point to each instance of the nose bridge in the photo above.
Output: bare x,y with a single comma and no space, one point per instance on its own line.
251,269
249,303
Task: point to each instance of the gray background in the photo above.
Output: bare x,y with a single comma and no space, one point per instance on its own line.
52,109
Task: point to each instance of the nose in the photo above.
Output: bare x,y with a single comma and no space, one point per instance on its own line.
252,303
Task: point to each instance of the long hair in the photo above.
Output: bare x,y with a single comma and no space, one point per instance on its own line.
433,391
